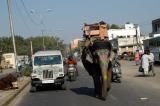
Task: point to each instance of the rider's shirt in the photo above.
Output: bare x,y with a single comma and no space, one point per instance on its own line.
72,61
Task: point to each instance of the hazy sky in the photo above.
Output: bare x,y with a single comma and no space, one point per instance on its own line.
65,18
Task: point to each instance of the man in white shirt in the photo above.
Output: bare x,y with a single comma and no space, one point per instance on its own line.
145,62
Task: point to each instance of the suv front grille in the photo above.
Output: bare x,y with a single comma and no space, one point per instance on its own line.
47,74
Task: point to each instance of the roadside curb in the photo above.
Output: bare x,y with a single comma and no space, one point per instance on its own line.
15,94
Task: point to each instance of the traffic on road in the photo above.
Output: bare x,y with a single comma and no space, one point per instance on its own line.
134,90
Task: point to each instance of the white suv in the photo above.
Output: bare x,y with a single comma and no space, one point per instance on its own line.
47,69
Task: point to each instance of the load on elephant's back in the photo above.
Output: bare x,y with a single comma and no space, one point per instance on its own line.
95,59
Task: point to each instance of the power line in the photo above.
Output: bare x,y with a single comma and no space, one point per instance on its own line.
28,14
31,19
22,18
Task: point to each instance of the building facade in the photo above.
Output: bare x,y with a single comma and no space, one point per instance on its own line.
127,39
74,43
155,28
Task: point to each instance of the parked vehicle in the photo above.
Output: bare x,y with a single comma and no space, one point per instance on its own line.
48,69
72,72
8,61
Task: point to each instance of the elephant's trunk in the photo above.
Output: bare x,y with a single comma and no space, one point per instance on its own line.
103,62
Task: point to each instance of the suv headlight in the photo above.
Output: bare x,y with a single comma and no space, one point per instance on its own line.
34,74
39,72
34,71
60,70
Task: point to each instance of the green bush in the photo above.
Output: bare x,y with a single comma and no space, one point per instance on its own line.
27,70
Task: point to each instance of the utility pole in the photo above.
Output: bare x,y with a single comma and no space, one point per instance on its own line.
31,48
43,39
139,46
136,36
12,31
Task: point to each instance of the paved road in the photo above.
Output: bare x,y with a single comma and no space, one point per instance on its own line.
133,91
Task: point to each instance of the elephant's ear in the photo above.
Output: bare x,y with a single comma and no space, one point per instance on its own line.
87,65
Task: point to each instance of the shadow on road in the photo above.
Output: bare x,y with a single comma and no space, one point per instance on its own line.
48,88
141,75
84,91
157,64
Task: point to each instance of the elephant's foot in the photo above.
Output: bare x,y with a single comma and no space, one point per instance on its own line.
109,88
100,97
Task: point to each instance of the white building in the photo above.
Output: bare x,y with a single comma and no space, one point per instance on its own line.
128,39
129,30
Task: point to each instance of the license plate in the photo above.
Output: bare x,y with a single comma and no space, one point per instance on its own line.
70,68
47,81
71,73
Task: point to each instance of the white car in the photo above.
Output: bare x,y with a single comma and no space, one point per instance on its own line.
48,69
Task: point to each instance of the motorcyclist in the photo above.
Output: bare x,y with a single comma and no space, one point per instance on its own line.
71,60
114,60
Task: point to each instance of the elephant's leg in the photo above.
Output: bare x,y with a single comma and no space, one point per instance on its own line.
97,85
96,79
109,75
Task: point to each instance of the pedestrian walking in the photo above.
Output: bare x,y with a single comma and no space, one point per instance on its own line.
137,58
145,62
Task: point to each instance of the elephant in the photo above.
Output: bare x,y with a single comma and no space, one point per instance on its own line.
95,59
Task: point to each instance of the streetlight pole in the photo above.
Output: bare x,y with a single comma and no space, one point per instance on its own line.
31,48
12,31
139,46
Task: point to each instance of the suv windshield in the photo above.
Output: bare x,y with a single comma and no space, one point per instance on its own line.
47,60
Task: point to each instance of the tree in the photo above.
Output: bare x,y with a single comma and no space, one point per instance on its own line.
114,26
108,26
23,45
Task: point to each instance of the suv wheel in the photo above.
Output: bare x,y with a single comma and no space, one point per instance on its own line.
33,89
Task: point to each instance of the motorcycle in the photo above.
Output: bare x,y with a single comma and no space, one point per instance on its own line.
116,71
72,72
